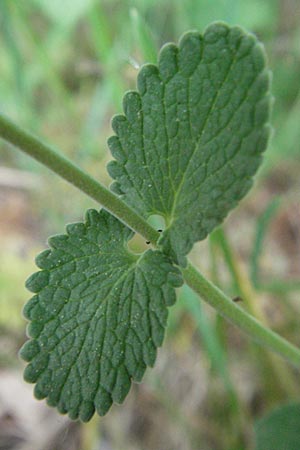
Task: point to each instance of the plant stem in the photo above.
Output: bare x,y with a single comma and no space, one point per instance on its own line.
279,374
229,309
63,167
205,289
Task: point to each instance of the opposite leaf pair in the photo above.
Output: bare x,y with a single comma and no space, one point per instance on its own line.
186,149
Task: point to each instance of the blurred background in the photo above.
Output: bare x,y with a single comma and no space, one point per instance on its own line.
64,68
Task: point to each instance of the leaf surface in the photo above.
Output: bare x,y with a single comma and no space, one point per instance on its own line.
280,429
192,136
97,316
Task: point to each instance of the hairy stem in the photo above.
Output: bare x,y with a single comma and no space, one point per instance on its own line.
63,167
205,289
229,309
279,374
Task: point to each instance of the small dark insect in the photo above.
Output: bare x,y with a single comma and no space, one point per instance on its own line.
237,299
148,242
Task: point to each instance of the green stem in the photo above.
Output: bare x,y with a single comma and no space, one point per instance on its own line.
280,379
206,290
236,315
46,155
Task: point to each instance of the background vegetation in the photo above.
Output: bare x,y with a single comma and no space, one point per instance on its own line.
64,68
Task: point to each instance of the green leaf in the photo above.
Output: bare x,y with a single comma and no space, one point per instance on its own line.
97,317
191,138
280,429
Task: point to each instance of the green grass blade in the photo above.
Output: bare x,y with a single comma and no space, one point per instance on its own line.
213,347
54,81
143,37
262,225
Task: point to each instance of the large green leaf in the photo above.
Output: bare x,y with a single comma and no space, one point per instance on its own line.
192,137
279,430
98,315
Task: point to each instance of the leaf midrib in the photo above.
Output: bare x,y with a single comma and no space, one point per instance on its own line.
184,172
103,302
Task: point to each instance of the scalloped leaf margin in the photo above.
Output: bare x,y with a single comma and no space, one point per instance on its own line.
97,317
192,137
